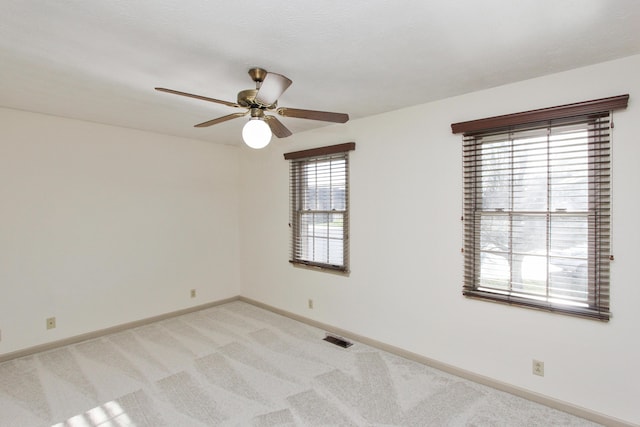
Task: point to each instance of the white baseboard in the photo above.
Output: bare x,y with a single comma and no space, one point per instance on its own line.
118,328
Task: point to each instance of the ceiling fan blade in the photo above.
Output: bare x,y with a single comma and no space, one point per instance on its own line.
203,98
221,119
277,127
324,116
271,88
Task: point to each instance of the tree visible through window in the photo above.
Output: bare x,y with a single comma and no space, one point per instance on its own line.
537,208
534,208
319,199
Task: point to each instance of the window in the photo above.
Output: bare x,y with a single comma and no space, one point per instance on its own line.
536,208
319,206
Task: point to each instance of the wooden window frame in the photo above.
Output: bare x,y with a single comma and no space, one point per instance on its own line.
297,187
598,276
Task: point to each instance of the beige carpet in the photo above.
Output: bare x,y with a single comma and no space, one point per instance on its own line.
239,365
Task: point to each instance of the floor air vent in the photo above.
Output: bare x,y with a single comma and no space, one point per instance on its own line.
337,341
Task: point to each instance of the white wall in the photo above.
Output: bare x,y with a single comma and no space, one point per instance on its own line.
405,284
101,225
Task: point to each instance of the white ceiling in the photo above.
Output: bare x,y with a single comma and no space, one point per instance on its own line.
99,60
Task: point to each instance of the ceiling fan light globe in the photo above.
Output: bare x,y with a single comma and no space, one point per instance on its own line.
256,133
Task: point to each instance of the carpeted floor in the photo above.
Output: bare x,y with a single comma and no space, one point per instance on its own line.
239,365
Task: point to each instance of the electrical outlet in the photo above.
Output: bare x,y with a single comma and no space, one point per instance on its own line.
51,322
310,303
193,293
538,368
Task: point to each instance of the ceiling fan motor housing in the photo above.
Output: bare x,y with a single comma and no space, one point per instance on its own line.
247,98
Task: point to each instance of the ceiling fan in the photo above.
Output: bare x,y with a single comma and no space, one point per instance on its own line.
264,98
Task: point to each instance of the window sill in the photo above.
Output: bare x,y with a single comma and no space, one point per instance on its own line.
330,268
